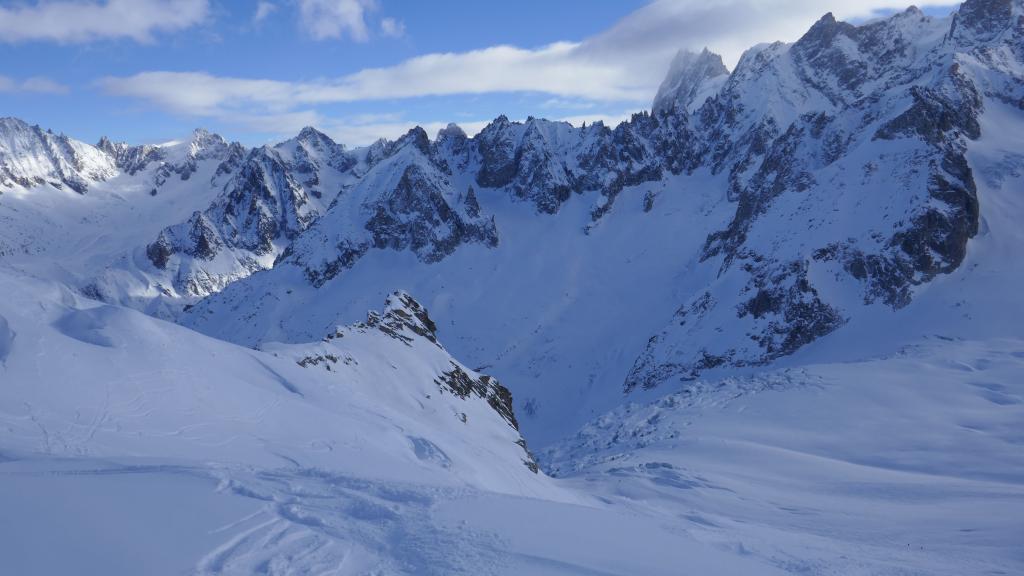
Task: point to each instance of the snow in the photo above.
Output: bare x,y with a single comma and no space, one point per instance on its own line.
910,463
280,429
49,525
264,463
905,463
493,313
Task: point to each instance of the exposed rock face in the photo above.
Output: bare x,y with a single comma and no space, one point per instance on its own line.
981,21
905,95
404,201
130,159
407,321
271,195
402,313
416,216
176,159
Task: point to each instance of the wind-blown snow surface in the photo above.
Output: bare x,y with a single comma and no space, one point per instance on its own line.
118,458
911,464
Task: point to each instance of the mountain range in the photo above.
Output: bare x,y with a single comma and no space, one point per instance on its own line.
840,209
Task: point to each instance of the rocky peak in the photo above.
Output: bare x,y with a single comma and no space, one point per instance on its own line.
416,137
106,145
982,20
404,319
451,132
377,151
10,125
403,315
202,134
499,122
823,33
690,76
204,143
452,148
309,152
497,144
312,137
407,321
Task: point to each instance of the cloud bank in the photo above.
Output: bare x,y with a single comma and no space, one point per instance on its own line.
67,21
35,84
325,19
622,65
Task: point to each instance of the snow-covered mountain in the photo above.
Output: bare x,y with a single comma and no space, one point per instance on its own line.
272,194
30,156
817,182
691,80
821,181
389,374
744,329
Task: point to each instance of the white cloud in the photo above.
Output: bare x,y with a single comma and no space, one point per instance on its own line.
552,69
325,19
647,38
200,94
43,85
567,103
276,123
35,84
263,10
622,65
392,28
68,21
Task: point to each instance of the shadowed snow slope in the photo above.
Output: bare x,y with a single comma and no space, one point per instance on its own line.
133,446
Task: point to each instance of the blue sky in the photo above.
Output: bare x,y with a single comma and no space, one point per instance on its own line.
259,70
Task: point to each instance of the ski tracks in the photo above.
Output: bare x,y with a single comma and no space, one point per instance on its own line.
320,522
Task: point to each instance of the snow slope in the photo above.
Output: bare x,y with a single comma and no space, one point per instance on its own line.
252,462
132,445
149,389
905,464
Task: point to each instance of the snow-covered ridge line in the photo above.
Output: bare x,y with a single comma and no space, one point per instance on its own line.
843,155
159,390
840,161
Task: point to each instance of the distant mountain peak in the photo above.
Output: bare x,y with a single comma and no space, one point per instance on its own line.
31,156
416,137
310,134
452,130
824,31
690,76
